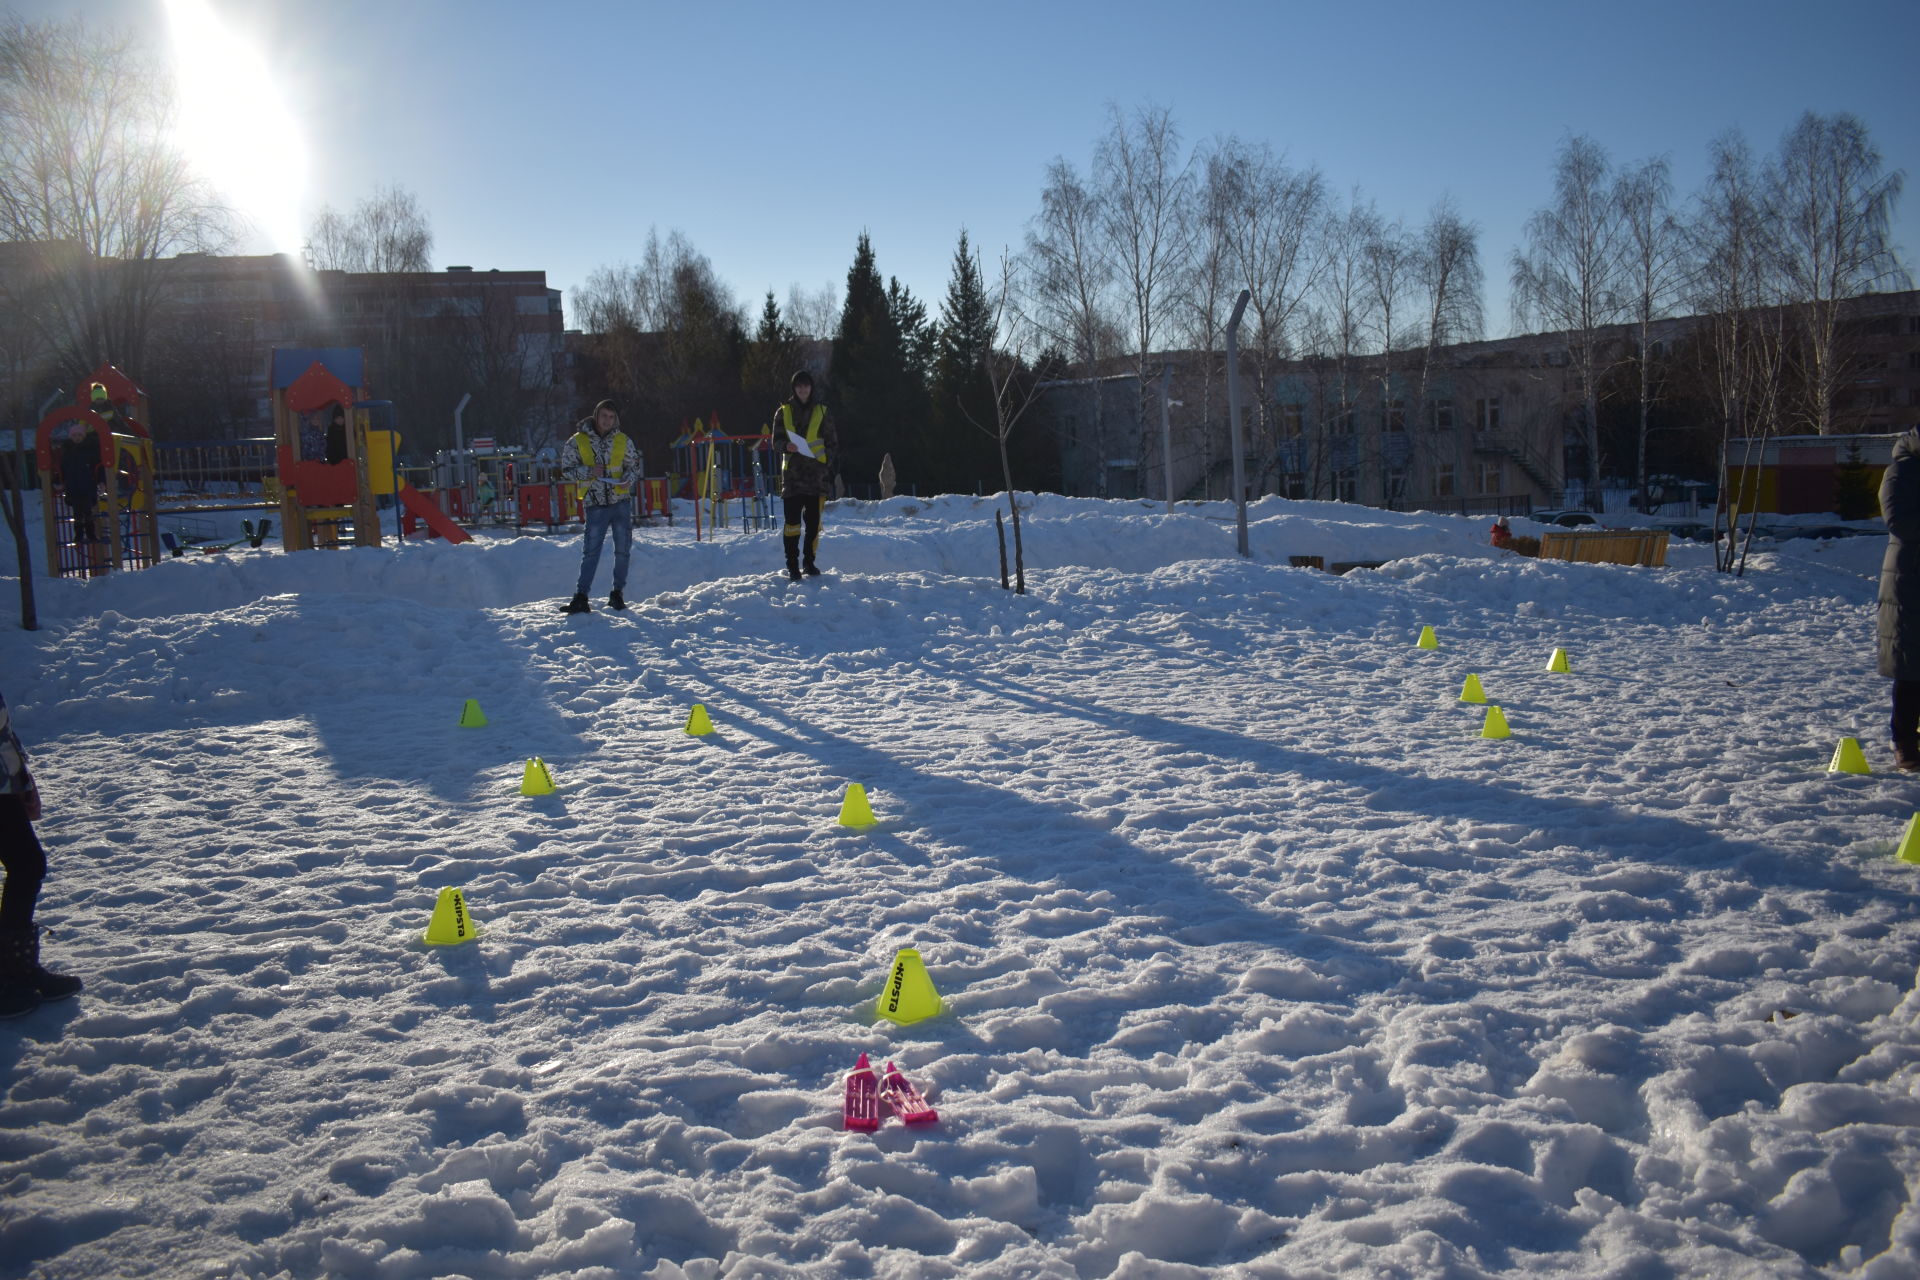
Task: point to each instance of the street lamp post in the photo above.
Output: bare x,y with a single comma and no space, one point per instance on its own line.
1233,415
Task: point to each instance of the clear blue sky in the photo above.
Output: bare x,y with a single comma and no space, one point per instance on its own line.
552,136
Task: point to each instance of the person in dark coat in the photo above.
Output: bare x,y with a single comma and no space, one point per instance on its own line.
804,436
80,476
23,983
1900,596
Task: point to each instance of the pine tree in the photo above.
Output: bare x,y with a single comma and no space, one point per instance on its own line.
919,339
771,358
965,453
877,398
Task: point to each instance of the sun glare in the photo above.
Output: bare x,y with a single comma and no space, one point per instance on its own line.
234,124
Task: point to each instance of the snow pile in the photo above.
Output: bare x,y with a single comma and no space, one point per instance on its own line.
1257,959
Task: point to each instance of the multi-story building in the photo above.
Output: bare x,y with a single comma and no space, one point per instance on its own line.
1494,426
430,337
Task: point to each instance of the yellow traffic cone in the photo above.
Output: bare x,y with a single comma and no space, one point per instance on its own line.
450,922
1427,640
471,717
909,995
1496,726
1558,662
697,721
854,810
537,780
1847,758
1471,690
1909,850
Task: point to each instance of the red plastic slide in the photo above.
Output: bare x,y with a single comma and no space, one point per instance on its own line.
432,516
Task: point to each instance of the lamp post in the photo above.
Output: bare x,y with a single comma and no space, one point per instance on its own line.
1233,414
1166,433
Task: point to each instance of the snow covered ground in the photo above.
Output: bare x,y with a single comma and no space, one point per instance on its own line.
1258,959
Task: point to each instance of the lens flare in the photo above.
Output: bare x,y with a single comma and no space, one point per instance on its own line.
234,124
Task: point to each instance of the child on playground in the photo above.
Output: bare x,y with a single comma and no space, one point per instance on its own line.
24,985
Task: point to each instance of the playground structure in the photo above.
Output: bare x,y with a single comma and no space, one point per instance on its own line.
325,503
125,532
720,469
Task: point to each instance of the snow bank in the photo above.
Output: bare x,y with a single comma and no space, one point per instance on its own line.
1258,959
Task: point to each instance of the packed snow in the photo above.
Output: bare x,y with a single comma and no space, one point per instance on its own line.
1257,959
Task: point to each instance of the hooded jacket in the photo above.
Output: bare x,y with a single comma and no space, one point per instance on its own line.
614,487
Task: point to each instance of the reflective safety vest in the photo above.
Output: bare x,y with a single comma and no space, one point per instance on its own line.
817,417
616,457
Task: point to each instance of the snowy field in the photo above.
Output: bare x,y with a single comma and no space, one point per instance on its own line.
1258,960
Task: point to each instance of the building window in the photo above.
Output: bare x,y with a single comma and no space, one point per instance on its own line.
1443,415
1341,423
1296,485
1486,414
1346,485
1443,480
1913,324
1397,415
1292,421
1396,489
1490,476
1913,359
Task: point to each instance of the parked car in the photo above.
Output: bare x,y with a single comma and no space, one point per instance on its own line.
1565,519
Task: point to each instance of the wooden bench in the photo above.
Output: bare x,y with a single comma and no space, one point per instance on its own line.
1606,546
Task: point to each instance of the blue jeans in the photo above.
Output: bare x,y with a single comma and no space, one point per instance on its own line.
618,517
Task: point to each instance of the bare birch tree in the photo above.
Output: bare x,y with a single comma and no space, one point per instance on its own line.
813,313
1068,280
1655,267
1451,288
1389,262
387,232
1569,278
1146,206
1735,283
1013,382
91,185
1269,214
1830,203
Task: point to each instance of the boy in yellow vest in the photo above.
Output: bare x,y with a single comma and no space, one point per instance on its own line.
605,465
803,434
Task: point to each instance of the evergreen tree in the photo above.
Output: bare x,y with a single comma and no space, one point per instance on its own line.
771,358
919,339
877,398
962,447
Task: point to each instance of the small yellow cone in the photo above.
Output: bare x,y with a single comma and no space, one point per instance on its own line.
1558,662
1909,850
1428,640
537,780
1496,726
909,995
1471,690
450,922
1847,758
697,721
854,810
471,716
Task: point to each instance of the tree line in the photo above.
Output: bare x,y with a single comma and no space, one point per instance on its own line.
1139,252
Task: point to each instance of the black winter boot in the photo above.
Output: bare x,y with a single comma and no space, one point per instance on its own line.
18,997
792,544
577,605
20,966
615,600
